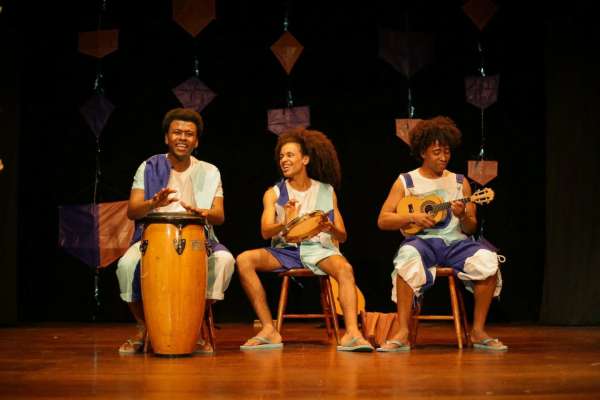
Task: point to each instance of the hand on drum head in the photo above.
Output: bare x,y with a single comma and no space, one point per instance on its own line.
326,225
162,198
291,208
203,212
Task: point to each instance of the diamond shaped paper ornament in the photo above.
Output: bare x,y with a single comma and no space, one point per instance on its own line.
407,52
403,127
193,15
194,94
97,234
287,50
482,171
480,11
99,43
282,119
96,111
482,91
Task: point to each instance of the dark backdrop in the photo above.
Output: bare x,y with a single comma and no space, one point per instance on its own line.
9,137
354,98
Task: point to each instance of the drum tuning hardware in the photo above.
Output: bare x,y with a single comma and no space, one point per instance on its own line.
179,242
143,246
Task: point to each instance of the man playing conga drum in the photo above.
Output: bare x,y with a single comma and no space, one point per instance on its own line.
311,170
169,183
444,243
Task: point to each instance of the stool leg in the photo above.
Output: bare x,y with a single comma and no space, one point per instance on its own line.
465,322
414,321
325,305
282,302
210,324
455,311
330,300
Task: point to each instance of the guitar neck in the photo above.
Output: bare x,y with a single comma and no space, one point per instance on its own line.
448,204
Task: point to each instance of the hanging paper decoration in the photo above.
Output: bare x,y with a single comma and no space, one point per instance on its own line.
287,50
193,93
407,52
96,234
482,171
480,11
403,127
482,91
99,43
193,15
96,111
282,119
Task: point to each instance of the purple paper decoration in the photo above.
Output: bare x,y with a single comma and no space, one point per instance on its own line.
407,52
96,234
482,91
193,93
96,111
282,119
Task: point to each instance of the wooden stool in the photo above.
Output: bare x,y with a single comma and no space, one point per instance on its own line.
208,324
327,301
458,311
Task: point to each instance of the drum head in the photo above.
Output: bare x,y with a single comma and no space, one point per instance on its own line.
177,218
304,227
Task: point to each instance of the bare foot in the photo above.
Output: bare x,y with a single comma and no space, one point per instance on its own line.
398,341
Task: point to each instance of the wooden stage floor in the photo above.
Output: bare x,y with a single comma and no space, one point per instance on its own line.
80,361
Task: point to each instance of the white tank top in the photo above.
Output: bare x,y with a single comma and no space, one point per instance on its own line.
447,188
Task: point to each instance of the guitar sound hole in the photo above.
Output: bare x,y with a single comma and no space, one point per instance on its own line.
428,209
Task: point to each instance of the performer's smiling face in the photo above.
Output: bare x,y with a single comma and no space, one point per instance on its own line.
291,159
182,139
436,157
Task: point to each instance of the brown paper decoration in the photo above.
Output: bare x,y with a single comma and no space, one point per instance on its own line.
99,43
287,50
407,52
403,127
482,171
480,11
193,15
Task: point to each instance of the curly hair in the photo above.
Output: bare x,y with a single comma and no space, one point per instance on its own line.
427,132
182,114
324,165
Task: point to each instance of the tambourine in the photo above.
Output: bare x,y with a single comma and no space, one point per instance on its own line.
304,227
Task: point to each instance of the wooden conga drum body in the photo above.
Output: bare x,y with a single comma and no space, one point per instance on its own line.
173,280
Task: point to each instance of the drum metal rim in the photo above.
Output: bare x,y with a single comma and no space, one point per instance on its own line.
297,221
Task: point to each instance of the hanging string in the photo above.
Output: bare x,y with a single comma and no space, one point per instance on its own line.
99,90
482,143
286,24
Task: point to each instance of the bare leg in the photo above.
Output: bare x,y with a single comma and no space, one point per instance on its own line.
133,345
204,345
483,292
248,263
339,268
404,299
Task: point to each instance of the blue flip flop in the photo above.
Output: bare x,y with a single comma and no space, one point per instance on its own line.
485,345
352,346
265,344
399,346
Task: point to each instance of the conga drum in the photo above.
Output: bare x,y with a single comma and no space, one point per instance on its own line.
304,227
173,278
